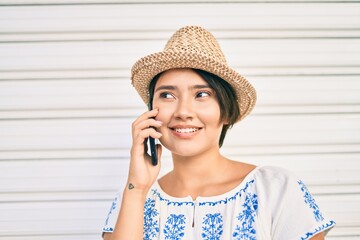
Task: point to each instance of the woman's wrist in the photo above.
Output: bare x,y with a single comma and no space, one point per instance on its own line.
136,191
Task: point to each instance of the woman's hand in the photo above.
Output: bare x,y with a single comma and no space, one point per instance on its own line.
142,173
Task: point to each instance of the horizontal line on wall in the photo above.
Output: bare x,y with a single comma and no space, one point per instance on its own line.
126,158
303,114
88,233
138,30
313,66
72,78
247,75
294,154
60,149
89,117
355,193
126,79
121,156
162,34
66,118
87,200
19,4
66,159
118,40
107,149
93,149
56,192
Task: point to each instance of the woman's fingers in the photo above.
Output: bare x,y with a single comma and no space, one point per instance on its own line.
144,122
147,123
144,127
141,135
147,115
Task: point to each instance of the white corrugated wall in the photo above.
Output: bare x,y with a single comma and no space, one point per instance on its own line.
66,103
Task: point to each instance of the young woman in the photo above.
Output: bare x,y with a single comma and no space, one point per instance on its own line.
196,98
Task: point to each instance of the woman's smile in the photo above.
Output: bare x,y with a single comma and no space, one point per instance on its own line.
185,131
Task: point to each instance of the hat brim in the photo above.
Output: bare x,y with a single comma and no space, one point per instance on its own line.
145,69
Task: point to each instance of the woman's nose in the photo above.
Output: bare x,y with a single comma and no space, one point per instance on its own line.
184,110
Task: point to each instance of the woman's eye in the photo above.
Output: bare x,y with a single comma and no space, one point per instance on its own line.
166,95
202,94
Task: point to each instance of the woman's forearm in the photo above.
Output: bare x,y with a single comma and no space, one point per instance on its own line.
130,223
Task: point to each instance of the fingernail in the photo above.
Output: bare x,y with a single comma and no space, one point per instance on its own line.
159,122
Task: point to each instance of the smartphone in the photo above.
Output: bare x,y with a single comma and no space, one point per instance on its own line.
153,152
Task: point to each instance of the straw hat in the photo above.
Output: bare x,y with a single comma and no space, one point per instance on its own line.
192,47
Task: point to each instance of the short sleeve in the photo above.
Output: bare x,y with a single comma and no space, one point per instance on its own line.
113,214
297,215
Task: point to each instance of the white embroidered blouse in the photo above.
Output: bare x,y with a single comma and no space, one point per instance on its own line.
270,204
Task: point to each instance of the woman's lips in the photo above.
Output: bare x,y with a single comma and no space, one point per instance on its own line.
185,132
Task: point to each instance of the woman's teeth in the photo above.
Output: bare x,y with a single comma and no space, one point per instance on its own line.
186,130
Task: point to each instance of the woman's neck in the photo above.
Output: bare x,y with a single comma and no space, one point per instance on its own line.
197,171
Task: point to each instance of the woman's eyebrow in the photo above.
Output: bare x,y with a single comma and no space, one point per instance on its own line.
171,87
165,87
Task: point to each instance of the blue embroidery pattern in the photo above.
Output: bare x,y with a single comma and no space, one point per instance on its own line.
317,230
151,226
229,199
246,230
212,227
168,202
311,202
113,207
190,203
174,227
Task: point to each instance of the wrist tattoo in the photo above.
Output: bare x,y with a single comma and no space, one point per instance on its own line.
130,186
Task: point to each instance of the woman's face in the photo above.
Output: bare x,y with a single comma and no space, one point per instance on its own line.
189,111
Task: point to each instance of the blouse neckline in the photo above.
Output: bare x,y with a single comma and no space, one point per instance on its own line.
242,185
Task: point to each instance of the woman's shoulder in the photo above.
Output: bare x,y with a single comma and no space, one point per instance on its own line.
273,172
268,178
273,181
264,173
